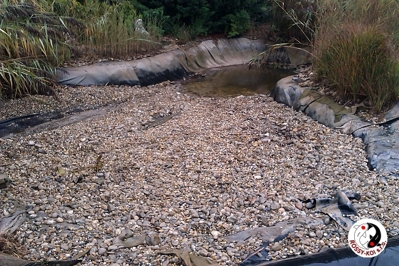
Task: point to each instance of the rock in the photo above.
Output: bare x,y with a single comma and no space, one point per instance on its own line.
215,234
276,247
102,251
112,247
194,213
274,206
299,205
324,248
50,222
319,233
327,220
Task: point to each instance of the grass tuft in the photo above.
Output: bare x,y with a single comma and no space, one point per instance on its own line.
356,50
31,46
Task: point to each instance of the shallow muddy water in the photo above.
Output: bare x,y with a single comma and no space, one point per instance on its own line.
234,81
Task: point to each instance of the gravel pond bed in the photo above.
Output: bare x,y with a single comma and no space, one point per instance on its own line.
183,172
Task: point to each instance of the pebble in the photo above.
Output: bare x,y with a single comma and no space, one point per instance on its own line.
276,247
215,234
102,251
183,184
274,206
50,222
112,247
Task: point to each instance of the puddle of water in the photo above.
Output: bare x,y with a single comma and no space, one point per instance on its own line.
234,81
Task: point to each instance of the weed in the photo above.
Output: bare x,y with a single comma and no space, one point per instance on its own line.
356,50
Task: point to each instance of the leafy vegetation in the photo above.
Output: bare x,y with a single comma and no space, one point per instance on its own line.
110,28
30,46
201,17
38,36
354,44
356,50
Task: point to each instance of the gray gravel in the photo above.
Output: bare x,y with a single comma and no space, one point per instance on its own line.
216,167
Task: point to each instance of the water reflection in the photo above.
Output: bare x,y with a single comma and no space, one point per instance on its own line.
234,81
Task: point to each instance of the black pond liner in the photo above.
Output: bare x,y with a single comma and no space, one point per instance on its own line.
342,257
21,123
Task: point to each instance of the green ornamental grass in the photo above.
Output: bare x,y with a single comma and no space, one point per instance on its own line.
356,50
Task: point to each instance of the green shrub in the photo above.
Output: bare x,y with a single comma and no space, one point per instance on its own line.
240,22
356,50
201,17
360,65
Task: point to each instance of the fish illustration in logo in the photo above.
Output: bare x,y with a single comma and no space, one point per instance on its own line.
367,235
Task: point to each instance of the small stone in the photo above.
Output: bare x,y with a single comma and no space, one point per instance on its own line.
194,213
319,234
59,220
215,234
381,204
101,251
327,220
324,248
276,247
50,222
64,246
175,242
31,143
281,210
113,247
299,205
274,206
312,234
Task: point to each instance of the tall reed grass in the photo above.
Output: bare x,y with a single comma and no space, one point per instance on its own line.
356,49
30,48
36,36
110,29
